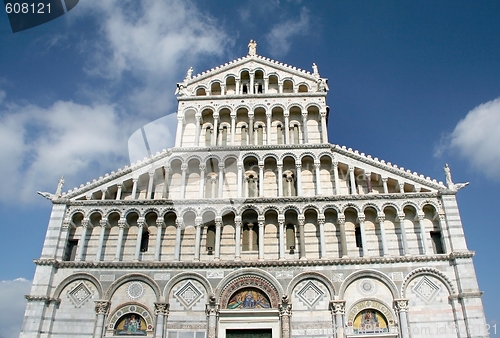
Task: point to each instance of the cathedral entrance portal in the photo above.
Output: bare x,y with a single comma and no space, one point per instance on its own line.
253,333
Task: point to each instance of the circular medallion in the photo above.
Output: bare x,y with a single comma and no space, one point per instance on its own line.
367,287
135,290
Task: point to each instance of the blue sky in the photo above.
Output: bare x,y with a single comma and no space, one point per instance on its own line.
413,83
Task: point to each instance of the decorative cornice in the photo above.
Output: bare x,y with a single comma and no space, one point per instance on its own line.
45,299
250,96
257,200
257,264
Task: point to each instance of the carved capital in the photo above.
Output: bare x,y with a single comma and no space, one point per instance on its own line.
341,219
361,219
301,219
101,307
160,223
103,223
285,308
184,166
162,309
401,305
381,219
203,166
221,166
212,309
337,307
121,223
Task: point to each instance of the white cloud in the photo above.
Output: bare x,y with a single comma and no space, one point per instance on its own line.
12,306
41,144
477,138
281,35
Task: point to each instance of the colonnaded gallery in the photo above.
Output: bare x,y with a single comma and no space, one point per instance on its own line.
253,225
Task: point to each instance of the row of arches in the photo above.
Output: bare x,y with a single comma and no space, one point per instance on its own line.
254,175
260,125
253,82
270,234
398,308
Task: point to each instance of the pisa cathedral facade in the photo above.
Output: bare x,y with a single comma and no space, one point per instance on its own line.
253,225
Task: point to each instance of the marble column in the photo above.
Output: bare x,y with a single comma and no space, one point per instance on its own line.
336,177
280,87
304,127
63,238
159,230
140,227
361,220
221,181
287,127
423,234
317,165
82,242
321,223
337,307
381,220
261,220
237,89
285,310
302,252
202,181
343,240
261,179
178,135
250,128
266,85
119,191
197,239
121,225
134,188
403,234
401,307
233,127
165,191
216,130
401,188
240,179
251,90
298,167
103,224
368,177
161,311
237,223
101,310
280,179
218,228
443,226
150,192
184,168
212,312
324,129
282,234
384,183
198,130
103,194
177,250
352,180
268,127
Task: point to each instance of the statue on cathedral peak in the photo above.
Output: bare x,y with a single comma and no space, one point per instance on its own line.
189,74
322,85
252,48
449,182
57,194
315,70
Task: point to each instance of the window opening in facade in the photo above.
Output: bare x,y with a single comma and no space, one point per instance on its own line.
437,243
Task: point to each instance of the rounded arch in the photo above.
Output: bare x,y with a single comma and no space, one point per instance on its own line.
249,277
113,211
131,308
242,106
211,156
229,156
246,207
186,210
228,209
188,108
132,277
194,157
94,211
371,274
370,205
130,211
277,105
224,106
270,155
187,275
153,210
391,205
427,271
209,209
411,204
350,205
78,211
251,154
312,104
207,107
376,304
312,207
288,154
271,207
326,153
330,206
294,104
311,275
169,210
432,203
259,105
76,277
228,75
307,153
291,207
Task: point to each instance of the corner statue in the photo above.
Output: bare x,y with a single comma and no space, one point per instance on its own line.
449,182
252,48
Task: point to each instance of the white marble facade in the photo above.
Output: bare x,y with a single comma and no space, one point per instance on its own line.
254,223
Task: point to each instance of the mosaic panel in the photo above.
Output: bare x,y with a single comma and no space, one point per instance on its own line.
135,290
310,294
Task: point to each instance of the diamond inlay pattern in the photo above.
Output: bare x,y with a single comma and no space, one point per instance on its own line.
310,294
188,295
426,289
79,294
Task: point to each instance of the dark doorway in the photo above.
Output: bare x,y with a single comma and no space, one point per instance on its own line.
251,333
